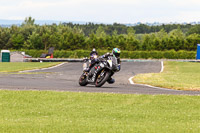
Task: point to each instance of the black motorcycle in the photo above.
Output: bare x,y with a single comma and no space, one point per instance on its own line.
100,72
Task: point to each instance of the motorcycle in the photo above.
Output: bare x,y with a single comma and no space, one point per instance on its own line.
100,72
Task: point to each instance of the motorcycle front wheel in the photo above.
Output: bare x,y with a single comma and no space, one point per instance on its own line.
102,77
83,80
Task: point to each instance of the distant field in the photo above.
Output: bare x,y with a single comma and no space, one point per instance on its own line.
47,111
20,66
176,75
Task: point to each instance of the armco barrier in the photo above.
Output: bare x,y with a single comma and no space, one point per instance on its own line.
81,60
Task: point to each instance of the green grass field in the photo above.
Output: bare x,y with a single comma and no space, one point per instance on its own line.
20,66
176,75
48,111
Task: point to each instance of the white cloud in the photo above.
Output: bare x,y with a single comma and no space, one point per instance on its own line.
185,2
127,11
189,16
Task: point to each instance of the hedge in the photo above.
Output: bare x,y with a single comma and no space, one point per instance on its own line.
171,54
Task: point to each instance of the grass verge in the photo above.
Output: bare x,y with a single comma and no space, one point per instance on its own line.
176,75
21,66
46,111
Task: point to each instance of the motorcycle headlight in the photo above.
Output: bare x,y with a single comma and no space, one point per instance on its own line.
84,66
95,56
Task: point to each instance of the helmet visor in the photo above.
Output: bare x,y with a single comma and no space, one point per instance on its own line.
117,54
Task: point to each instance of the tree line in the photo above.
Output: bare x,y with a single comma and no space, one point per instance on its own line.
109,29
68,36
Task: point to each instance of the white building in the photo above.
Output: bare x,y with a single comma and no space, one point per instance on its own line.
16,57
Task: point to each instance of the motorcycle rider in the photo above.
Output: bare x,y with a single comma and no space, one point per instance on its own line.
115,53
93,59
93,53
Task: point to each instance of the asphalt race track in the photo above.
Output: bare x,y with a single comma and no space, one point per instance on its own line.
65,78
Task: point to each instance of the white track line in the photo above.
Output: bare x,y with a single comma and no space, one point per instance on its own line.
43,68
157,87
162,68
131,81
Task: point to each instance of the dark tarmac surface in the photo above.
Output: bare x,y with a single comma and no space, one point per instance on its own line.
65,78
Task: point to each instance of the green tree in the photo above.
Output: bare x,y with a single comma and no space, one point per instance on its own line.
131,42
34,42
17,41
28,21
100,32
191,42
161,39
194,29
131,32
4,38
176,39
147,43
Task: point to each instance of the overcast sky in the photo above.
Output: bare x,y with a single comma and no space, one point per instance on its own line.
106,11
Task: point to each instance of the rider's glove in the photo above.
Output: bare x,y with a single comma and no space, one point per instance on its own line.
103,56
119,67
85,59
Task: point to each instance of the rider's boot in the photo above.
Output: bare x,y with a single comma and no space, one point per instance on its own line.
111,81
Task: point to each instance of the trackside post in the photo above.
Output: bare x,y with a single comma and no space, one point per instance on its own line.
198,52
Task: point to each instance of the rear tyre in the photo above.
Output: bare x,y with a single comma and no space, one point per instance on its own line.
102,77
83,80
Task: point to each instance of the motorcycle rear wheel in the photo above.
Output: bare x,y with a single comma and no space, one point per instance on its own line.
99,82
83,80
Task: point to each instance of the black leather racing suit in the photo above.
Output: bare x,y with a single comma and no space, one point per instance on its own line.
111,80
118,59
93,62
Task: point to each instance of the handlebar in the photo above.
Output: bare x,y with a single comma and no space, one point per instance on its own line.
85,59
